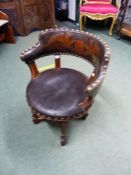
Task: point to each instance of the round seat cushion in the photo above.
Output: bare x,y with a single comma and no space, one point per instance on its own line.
57,92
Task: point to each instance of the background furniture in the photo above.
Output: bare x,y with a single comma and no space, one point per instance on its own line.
98,10
6,31
62,94
61,9
66,10
124,19
27,15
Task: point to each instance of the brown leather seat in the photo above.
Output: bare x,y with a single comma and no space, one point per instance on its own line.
63,94
57,92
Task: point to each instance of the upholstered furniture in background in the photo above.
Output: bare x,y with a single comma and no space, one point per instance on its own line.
98,10
6,31
62,94
123,26
28,15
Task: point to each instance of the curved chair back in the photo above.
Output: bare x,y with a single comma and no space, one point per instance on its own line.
72,42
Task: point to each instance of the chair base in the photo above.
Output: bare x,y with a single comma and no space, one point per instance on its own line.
63,133
63,124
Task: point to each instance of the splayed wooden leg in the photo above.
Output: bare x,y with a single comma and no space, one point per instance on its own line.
84,116
37,119
63,133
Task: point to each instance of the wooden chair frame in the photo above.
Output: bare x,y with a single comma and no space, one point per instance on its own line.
97,16
72,42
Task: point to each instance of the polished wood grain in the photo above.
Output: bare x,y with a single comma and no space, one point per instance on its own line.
6,31
28,15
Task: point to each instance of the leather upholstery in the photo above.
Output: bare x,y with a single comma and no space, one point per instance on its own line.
79,44
57,92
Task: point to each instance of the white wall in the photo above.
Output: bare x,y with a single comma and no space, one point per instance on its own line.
72,9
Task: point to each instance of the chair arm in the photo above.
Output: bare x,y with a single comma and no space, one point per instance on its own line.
32,53
93,87
91,90
87,103
94,83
